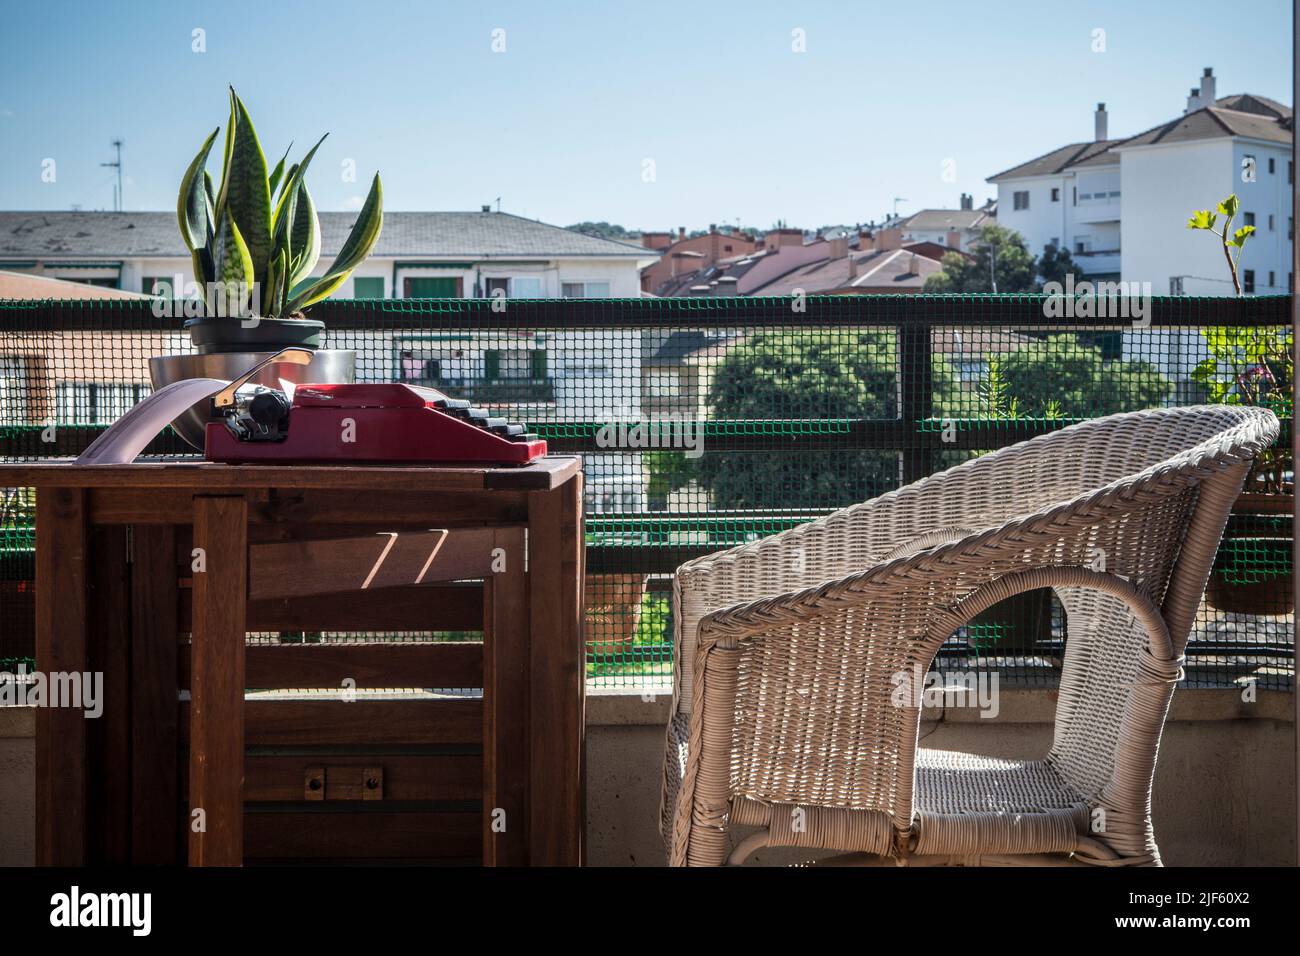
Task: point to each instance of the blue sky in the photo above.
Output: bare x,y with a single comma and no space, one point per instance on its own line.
739,126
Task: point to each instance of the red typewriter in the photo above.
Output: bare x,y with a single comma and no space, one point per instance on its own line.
391,423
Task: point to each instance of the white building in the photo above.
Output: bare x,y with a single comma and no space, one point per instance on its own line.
1121,205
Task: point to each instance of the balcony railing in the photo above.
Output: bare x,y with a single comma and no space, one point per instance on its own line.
793,407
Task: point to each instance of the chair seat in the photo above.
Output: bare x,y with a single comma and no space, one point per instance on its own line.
968,803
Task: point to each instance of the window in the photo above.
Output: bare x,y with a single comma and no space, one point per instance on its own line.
157,285
1020,199
368,287
514,364
584,290
95,403
1272,277
1056,194
1271,164
496,287
431,287
1270,222
526,287
1248,281
1249,218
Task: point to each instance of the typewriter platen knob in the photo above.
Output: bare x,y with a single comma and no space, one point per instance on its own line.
269,408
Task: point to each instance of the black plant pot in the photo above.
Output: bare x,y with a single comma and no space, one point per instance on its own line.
227,334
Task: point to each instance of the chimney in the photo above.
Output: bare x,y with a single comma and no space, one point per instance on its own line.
656,240
713,227
954,239
681,233
1207,87
774,239
866,242
853,268
967,201
839,246
914,265
1099,123
887,239
486,208
1193,100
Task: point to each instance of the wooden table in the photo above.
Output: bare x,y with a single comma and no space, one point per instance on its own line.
304,547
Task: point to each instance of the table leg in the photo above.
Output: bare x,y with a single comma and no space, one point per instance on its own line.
61,553
558,676
154,695
505,706
220,593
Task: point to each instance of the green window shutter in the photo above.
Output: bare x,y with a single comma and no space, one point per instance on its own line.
539,363
491,365
431,287
368,287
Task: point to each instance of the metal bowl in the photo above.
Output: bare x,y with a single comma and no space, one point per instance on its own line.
327,365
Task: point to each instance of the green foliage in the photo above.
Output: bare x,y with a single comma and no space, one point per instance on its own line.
1062,377
998,252
1055,264
1204,219
260,229
605,230
668,471
996,395
810,374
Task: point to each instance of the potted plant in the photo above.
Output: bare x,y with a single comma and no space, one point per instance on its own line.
254,240
1251,366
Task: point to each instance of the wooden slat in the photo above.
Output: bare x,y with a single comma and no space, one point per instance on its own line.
217,713
557,674
376,560
434,607
331,835
301,723
61,546
277,515
154,770
396,664
108,758
542,474
279,778
505,710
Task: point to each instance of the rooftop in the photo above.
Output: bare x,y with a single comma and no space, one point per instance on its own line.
480,235
1241,114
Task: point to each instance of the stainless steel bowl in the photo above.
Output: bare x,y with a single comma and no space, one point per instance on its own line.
327,365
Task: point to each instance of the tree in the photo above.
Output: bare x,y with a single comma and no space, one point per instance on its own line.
1055,264
998,252
605,230
815,374
1063,375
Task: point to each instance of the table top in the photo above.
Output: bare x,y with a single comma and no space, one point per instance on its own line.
544,474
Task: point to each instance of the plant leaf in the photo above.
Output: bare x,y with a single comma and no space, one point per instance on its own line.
274,179
364,235
1241,235
1201,219
245,195
1230,205
192,202
304,238
233,264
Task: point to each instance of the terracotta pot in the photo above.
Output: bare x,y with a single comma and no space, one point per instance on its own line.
613,611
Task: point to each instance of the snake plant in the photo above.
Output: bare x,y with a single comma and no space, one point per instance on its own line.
260,231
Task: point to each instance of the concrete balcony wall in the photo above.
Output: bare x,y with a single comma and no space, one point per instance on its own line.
1224,793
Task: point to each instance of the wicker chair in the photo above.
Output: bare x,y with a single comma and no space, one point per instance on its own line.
788,651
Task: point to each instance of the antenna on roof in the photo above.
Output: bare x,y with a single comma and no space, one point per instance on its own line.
897,200
117,164
498,204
